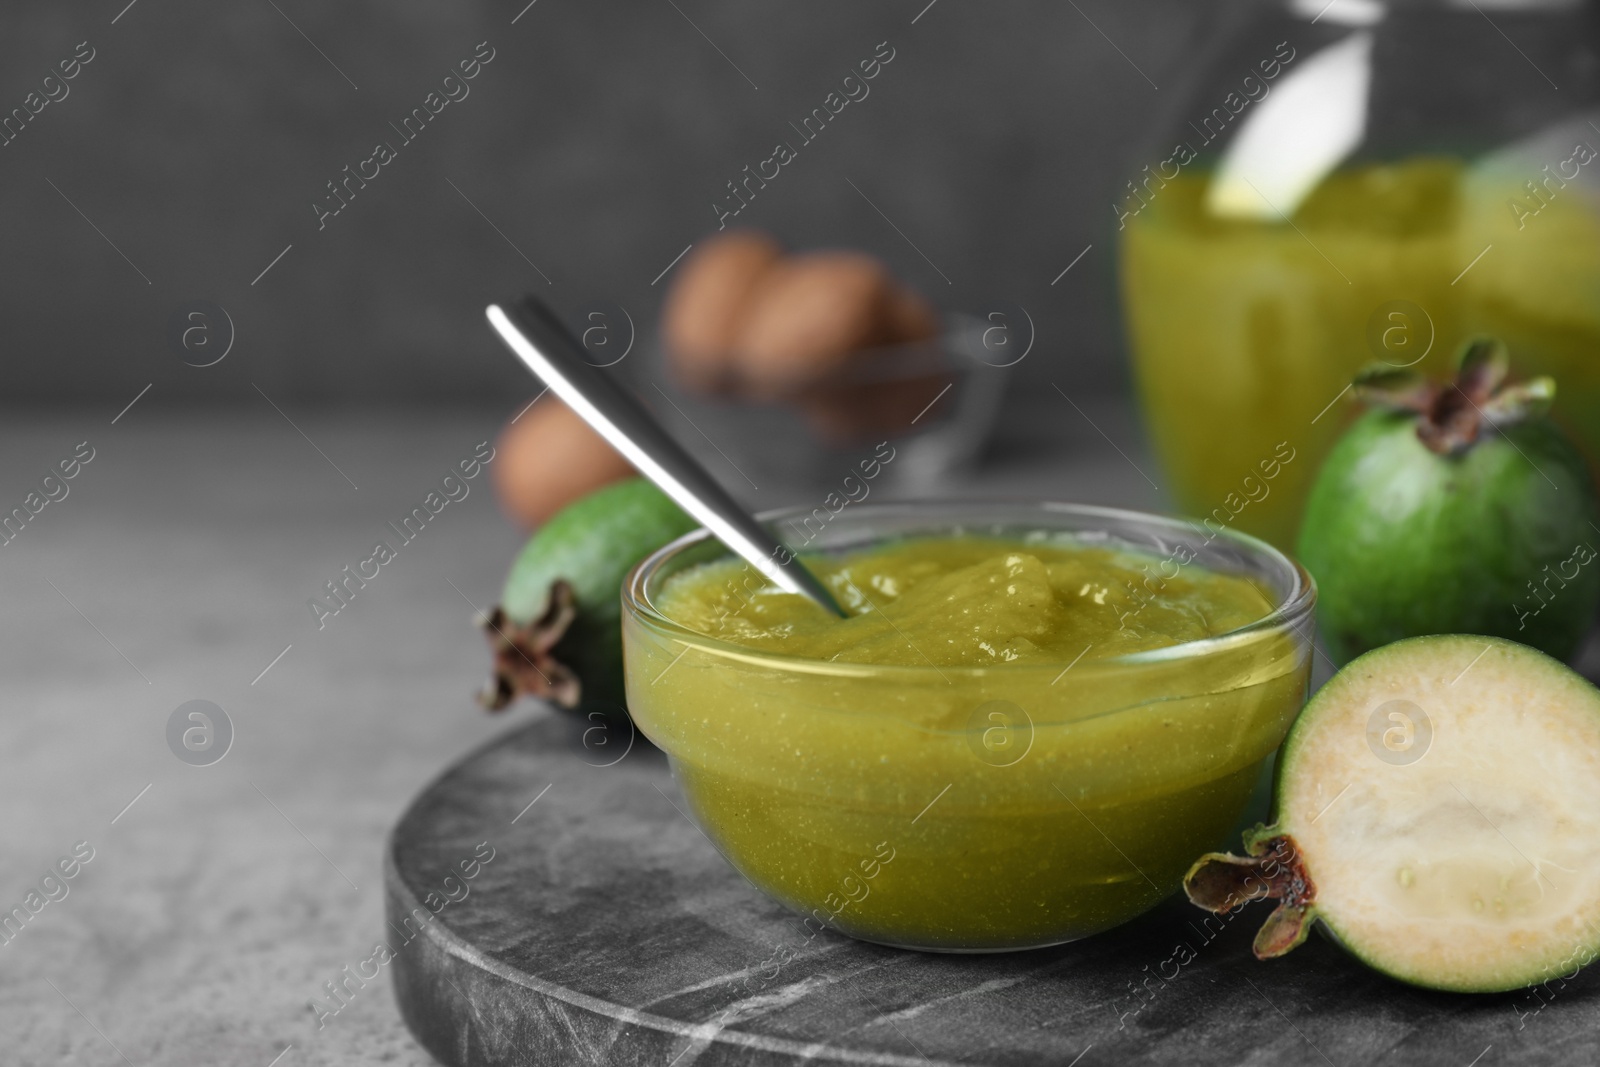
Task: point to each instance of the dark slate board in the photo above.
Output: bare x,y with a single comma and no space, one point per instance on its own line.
606,929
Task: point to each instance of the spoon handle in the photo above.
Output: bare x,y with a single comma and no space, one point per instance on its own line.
543,342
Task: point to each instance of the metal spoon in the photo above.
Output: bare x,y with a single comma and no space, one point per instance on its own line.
544,343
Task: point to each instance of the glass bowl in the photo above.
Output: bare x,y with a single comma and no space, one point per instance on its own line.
935,401
973,809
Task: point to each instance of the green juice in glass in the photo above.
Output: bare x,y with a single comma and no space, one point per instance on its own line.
1010,742
1243,332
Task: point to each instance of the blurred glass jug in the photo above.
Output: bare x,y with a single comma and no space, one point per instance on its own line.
1350,181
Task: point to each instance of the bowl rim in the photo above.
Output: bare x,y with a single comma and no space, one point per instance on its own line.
1292,611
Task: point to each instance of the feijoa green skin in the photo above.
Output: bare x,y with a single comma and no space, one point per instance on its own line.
1496,534
557,631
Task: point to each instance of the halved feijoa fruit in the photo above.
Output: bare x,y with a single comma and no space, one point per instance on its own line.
1438,809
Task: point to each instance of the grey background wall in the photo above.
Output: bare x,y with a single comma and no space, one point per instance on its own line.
591,149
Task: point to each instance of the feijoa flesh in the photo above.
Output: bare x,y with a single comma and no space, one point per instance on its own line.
1438,811
1453,508
556,633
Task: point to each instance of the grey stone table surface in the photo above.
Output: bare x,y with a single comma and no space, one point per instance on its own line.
221,898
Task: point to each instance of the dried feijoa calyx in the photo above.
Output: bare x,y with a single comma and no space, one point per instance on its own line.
556,633
1438,811
1453,508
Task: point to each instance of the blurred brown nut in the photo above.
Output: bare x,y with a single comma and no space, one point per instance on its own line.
807,316
700,322
547,458
909,317
848,413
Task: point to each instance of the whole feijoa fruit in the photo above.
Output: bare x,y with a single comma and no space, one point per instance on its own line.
557,632
1438,811
1453,508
